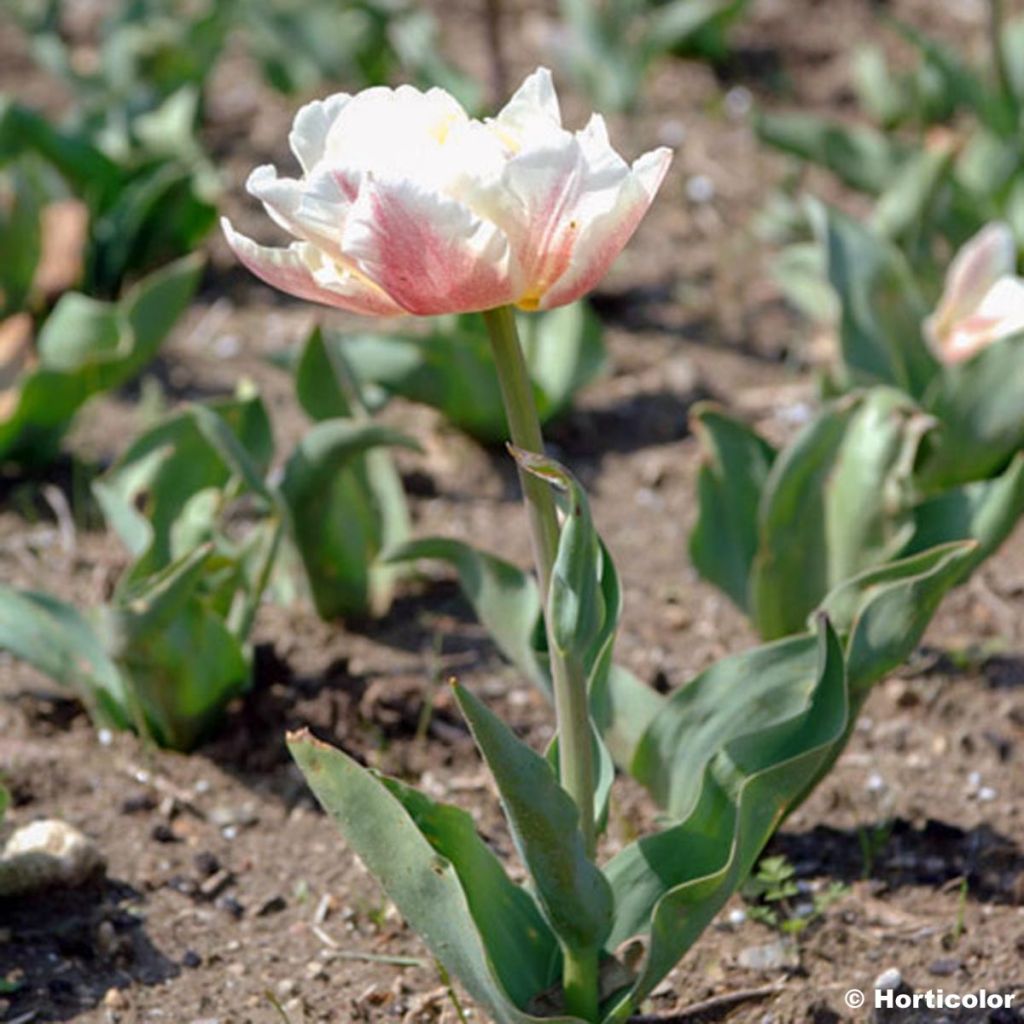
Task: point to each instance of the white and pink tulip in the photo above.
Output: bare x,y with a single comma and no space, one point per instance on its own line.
983,299
408,205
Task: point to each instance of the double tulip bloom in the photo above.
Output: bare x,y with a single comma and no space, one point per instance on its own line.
408,205
983,299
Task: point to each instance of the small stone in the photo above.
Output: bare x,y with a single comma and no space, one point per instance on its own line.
986,794
287,987
700,189
216,884
163,834
773,956
106,939
231,906
46,854
206,864
737,917
888,980
273,905
944,967
191,959
315,971
114,999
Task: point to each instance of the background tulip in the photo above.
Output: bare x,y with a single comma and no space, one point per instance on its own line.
982,301
408,205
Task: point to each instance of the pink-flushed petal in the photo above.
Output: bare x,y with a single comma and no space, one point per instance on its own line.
1000,314
313,209
990,255
312,123
601,238
431,254
300,270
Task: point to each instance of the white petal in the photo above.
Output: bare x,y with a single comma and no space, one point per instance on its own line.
313,210
988,256
1000,314
604,232
310,127
301,270
430,253
532,116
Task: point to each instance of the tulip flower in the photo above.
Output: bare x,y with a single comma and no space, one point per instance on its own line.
408,205
983,299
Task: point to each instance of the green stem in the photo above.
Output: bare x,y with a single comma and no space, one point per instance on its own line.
572,714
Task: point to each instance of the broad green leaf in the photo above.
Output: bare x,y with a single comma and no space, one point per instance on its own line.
452,369
503,597
789,574
992,109
985,511
325,385
692,27
734,466
522,947
883,612
154,632
765,686
861,157
668,886
622,708
544,821
799,270
145,494
868,494
85,347
55,639
340,519
422,881
980,408
906,203
21,204
881,309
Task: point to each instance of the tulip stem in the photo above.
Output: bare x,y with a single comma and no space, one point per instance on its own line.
572,714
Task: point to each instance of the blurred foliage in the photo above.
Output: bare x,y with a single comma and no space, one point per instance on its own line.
939,149
609,46
83,347
451,367
203,520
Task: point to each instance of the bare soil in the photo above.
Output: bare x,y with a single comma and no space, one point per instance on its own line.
225,883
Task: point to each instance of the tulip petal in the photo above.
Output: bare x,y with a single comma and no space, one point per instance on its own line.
603,233
313,209
532,112
308,137
1000,314
990,255
430,253
301,271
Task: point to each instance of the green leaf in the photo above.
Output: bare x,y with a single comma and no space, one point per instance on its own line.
452,368
861,157
735,462
575,608
985,511
424,883
884,611
766,685
344,513
325,384
789,574
994,110
868,495
905,205
165,493
668,886
181,663
544,821
86,347
522,947
53,638
980,408
881,309
503,598
21,203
